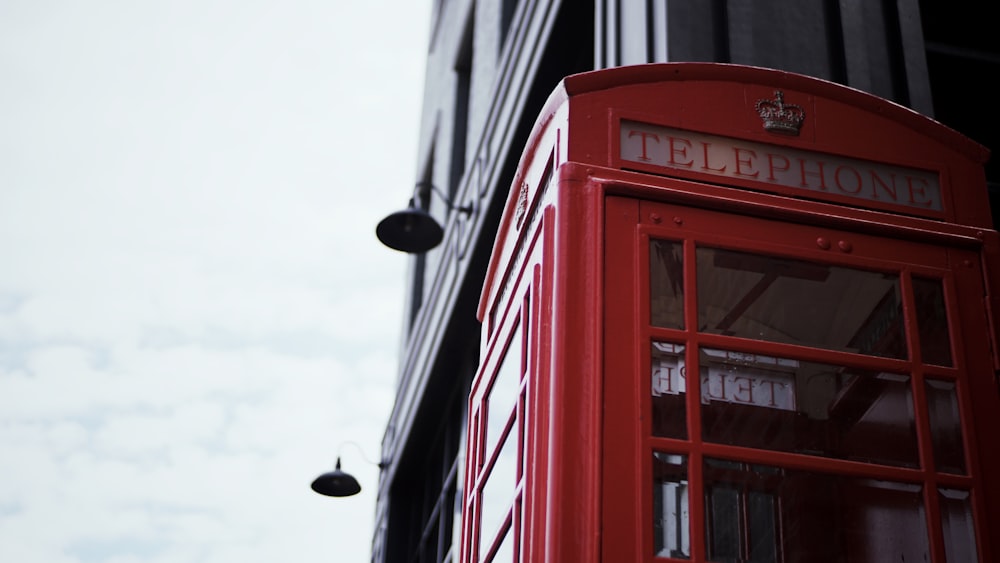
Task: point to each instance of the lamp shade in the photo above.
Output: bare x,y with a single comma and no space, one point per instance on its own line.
336,483
412,230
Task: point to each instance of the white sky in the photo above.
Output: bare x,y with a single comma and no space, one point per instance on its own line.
194,310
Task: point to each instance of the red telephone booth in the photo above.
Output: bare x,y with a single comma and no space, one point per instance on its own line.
737,315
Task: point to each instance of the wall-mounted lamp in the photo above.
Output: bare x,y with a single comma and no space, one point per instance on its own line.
413,230
338,483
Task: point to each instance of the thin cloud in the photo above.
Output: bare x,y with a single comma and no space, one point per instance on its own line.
194,312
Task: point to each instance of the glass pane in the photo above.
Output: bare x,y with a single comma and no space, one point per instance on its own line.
811,408
503,394
762,514
666,284
668,390
671,524
932,321
946,426
762,517
741,523
723,515
798,302
498,491
505,552
956,521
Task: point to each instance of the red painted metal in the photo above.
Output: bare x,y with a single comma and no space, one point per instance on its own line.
571,271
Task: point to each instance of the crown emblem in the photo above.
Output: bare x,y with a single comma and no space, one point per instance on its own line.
779,117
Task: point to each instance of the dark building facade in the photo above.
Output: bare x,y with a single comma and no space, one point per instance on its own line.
491,65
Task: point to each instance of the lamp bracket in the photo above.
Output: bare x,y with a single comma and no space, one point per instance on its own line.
340,449
467,209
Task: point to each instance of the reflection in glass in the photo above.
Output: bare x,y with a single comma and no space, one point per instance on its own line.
666,284
932,321
765,402
956,521
799,302
668,390
503,393
761,514
671,520
946,426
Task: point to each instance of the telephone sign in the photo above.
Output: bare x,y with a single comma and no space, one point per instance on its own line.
814,174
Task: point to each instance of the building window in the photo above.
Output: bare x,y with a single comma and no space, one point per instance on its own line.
460,112
963,49
420,260
507,9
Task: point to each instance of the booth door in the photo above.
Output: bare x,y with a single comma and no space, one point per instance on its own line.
779,392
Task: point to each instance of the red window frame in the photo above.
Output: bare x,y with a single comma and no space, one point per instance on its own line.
628,443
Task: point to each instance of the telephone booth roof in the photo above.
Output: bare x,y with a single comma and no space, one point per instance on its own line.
755,131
